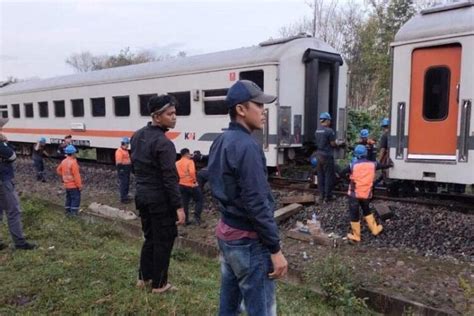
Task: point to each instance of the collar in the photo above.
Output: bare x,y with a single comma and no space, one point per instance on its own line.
237,126
164,129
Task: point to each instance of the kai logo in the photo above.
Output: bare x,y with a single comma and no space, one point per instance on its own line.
189,136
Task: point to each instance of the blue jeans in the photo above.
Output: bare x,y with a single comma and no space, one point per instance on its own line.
73,201
326,175
245,265
124,180
39,167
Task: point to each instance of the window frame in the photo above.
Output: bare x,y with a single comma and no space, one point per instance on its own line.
210,96
446,95
56,103
28,107
16,112
181,93
115,98
40,114
74,114
93,114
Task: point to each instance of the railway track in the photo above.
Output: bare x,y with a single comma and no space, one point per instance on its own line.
457,202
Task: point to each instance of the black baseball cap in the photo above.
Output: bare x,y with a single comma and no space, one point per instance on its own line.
246,90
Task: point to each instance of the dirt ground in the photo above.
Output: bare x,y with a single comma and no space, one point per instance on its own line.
399,271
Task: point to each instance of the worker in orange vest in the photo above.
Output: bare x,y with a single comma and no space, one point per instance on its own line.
124,167
68,169
188,185
362,175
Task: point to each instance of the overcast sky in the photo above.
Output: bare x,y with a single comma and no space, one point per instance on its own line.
37,36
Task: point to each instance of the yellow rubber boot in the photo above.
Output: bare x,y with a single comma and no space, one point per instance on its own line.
355,235
373,226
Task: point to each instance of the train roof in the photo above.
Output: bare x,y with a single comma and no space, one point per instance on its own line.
268,52
457,18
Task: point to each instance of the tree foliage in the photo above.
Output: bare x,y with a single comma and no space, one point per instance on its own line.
86,61
362,34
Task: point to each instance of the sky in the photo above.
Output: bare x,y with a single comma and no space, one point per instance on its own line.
36,37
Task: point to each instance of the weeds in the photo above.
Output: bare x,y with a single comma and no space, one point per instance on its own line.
338,286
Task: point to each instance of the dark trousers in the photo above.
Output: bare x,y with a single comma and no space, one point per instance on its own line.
325,171
38,164
157,247
194,193
124,181
73,201
354,206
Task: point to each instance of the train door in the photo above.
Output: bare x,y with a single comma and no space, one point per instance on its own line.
435,78
321,89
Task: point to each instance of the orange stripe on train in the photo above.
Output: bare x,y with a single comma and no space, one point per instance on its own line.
62,132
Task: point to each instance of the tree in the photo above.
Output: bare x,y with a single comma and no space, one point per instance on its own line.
85,61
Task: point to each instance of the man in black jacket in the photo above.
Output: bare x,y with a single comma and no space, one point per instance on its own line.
157,192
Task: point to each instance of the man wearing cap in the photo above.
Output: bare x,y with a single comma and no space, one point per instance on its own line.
247,234
157,197
38,154
124,166
325,140
67,141
9,201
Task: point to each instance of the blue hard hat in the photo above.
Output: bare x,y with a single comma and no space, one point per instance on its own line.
385,122
314,161
125,140
360,151
42,140
325,116
70,149
364,133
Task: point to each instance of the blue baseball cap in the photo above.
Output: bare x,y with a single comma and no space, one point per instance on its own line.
360,151
245,90
70,149
325,116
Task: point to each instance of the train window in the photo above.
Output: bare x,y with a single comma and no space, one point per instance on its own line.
253,75
43,109
16,110
214,102
28,107
59,109
184,102
98,106
77,107
436,93
122,106
144,98
4,111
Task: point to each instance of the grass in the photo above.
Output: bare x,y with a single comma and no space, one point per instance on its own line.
83,268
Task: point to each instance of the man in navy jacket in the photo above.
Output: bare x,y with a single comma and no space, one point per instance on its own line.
247,234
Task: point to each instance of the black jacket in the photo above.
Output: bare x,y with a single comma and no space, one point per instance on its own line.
153,158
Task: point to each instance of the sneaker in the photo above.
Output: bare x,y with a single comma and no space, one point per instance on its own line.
26,246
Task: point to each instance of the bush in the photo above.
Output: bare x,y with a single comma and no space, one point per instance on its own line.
338,286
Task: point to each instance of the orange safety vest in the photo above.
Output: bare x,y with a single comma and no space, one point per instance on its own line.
186,172
122,157
362,179
68,169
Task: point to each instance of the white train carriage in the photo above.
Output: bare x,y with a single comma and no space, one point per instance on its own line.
432,137
100,107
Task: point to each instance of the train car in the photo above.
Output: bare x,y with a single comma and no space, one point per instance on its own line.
432,137
100,107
